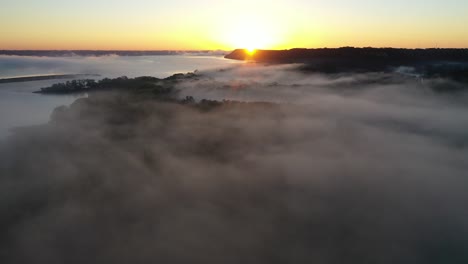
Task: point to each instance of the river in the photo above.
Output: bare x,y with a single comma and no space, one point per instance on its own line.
19,106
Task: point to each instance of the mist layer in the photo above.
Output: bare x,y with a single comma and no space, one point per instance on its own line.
350,168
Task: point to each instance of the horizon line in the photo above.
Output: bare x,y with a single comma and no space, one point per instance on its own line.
208,50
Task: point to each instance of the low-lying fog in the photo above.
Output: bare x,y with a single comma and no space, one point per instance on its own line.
350,168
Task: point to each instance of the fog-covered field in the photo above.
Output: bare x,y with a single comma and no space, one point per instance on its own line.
342,168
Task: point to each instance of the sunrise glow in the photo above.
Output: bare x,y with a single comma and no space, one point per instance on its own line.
250,33
251,51
153,25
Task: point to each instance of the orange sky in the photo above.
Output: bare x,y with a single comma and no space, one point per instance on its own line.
207,24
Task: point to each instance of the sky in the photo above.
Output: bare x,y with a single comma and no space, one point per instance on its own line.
210,24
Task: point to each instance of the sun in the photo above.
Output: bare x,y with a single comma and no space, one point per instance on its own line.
252,37
251,51
250,34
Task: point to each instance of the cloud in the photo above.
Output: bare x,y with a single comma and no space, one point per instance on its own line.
345,168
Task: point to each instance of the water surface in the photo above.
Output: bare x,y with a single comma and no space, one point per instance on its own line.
19,106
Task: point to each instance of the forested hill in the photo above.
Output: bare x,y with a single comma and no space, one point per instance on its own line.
355,57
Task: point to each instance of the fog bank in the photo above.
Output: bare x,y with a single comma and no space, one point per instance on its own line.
350,168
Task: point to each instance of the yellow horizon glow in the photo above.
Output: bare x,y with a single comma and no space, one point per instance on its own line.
248,40
238,42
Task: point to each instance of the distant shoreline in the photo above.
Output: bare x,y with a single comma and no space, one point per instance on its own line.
44,77
100,53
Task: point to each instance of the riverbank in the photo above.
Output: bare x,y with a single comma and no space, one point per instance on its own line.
45,77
